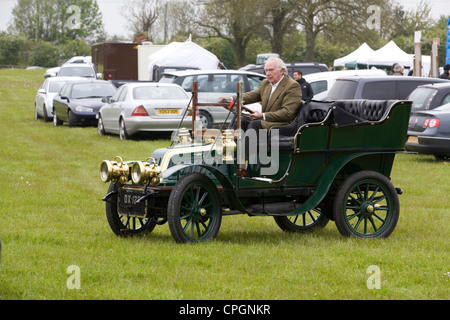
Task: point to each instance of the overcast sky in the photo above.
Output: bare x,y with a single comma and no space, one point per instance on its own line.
115,24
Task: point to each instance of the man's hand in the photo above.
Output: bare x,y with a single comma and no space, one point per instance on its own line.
255,115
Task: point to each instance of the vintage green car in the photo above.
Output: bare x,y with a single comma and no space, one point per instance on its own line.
332,163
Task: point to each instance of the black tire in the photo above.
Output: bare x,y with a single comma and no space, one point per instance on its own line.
46,117
194,211
206,119
100,128
71,117
56,121
123,225
123,131
366,206
36,114
303,223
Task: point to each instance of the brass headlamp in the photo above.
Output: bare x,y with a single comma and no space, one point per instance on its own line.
147,172
114,171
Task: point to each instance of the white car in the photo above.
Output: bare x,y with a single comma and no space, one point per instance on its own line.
144,108
43,104
322,82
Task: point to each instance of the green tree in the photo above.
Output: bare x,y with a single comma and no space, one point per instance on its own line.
57,20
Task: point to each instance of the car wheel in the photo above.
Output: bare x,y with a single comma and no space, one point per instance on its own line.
366,206
100,127
36,114
123,131
194,210
206,119
441,158
305,222
71,118
56,121
122,224
46,117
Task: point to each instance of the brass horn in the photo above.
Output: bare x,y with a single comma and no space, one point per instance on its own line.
146,172
114,171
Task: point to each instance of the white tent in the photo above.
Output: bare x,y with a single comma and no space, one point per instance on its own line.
387,56
183,54
363,51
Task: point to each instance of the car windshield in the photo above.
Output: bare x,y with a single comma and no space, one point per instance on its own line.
343,89
55,86
76,72
167,78
158,93
92,90
421,98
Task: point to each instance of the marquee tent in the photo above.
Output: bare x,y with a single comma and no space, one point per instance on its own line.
186,54
387,56
363,51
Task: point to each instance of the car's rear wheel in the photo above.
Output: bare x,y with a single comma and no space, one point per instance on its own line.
206,119
123,131
366,206
194,210
305,222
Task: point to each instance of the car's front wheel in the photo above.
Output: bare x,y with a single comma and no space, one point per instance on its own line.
194,209
56,121
122,224
100,127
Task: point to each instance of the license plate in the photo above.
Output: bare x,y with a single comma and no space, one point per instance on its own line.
168,111
128,203
413,139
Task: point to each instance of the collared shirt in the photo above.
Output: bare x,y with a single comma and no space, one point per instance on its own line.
274,87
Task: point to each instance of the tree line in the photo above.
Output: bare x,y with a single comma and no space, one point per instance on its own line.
45,32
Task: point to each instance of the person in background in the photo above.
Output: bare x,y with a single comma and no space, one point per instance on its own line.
391,72
307,91
398,70
446,74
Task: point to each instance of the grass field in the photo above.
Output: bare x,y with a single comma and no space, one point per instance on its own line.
52,217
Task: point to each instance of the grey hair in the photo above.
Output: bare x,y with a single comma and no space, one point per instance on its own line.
280,64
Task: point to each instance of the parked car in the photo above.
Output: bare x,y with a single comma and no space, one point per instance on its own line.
78,70
430,96
429,132
43,104
321,82
78,102
52,72
377,87
305,67
144,107
213,84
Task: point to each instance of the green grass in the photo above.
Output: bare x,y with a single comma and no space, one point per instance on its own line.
52,217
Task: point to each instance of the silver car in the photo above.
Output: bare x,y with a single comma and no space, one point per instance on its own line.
143,108
43,104
213,84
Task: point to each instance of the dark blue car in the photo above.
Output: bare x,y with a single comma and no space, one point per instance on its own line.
79,102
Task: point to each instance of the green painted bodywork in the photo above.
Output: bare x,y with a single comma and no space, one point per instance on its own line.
323,153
